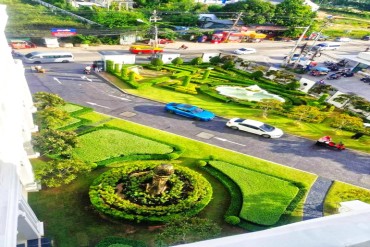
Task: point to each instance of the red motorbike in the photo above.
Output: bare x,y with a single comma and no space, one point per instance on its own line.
326,141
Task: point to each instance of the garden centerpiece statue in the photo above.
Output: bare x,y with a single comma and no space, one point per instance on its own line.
159,182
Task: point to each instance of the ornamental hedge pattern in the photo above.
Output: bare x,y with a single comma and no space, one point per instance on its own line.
265,198
187,194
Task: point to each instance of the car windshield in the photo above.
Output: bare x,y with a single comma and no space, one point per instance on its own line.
198,110
267,128
29,55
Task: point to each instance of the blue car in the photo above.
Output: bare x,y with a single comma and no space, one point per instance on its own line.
189,111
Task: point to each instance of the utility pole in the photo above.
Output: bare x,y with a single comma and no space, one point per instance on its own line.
154,19
296,45
234,25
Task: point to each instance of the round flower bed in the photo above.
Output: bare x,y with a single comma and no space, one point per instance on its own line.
122,194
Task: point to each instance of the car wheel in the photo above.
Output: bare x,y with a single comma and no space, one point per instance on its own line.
266,136
234,128
65,61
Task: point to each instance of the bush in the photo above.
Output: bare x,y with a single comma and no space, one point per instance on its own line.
157,63
215,60
187,194
232,220
202,163
228,65
196,61
117,241
177,61
257,74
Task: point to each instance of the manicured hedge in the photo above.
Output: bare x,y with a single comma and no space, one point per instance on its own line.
265,198
75,111
234,190
109,241
187,194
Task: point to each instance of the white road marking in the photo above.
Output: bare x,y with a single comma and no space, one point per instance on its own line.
225,140
56,79
91,103
85,78
118,97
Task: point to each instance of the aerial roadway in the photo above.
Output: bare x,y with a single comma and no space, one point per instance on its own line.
69,81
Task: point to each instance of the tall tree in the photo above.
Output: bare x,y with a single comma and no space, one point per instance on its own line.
269,104
44,99
55,142
306,113
294,13
345,121
59,172
52,117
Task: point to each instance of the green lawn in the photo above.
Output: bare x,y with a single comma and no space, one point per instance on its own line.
341,192
104,144
265,198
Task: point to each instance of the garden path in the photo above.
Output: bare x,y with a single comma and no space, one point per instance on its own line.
314,204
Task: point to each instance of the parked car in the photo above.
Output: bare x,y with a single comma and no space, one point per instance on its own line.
21,44
189,111
366,37
326,46
145,49
342,39
255,127
243,51
296,56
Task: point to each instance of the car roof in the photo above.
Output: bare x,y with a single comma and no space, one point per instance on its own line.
186,106
249,121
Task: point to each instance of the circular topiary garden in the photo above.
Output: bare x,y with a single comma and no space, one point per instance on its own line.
127,193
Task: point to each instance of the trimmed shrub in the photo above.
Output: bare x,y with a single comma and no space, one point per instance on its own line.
187,194
117,67
228,65
196,61
124,72
257,74
201,163
186,81
109,66
117,241
232,220
215,60
177,61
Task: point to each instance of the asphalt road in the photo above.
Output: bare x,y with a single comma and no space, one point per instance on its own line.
68,81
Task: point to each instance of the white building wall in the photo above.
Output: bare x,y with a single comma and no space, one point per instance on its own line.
16,125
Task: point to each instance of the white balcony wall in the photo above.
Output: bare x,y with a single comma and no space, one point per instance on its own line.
18,222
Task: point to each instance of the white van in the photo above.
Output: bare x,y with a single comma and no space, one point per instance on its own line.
49,57
326,46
